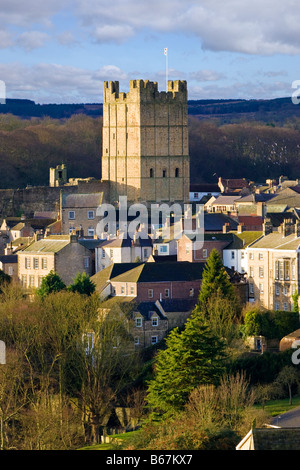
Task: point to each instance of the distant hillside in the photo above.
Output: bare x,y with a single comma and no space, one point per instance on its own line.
28,108
274,110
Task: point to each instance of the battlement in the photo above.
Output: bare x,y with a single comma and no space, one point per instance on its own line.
145,90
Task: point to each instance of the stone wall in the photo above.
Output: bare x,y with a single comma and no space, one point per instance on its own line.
27,201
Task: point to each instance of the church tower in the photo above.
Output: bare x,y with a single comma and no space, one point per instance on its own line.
145,152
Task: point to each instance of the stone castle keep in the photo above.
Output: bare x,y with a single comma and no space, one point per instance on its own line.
145,152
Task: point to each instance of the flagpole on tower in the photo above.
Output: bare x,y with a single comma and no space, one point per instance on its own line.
166,54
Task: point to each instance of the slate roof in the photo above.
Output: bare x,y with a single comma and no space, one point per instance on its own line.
147,308
70,201
178,305
225,200
276,438
213,222
277,241
149,272
48,245
123,242
8,259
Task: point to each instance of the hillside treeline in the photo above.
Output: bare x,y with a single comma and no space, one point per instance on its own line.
255,150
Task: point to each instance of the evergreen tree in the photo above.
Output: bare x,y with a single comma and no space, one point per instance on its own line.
192,357
215,280
82,284
50,283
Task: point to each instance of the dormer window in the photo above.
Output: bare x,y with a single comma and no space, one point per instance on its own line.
154,321
139,322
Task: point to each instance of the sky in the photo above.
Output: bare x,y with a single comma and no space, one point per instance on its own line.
61,51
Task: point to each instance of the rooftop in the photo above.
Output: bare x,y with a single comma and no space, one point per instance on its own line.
51,244
277,241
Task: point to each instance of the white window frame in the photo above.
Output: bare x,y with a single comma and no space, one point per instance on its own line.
139,322
91,214
71,215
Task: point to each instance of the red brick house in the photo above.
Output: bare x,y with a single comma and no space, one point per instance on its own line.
198,252
150,281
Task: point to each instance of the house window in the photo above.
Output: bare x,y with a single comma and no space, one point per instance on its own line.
261,271
196,195
277,306
71,215
293,271
242,255
86,262
260,256
136,341
281,270
71,230
40,280
187,249
132,290
122,290
103,253
251,255
91,231
27,263
91,215
150,293
151,173
287,270
232,255
10,270
285,306
111,253
167,293
163,249
31,281
251,271
36,263
44,263
154,339
293,289
154,321
204,253
251,288
176,172
145,253
139,322
277,290
261,288
24,280
192,291
285,290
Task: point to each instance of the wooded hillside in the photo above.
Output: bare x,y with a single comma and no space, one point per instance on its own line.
253,149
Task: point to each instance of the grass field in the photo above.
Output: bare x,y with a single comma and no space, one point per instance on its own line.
277,407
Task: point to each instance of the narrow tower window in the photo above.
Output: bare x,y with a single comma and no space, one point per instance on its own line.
164,173
151,173
176,172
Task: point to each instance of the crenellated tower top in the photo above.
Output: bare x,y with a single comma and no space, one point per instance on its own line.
145,90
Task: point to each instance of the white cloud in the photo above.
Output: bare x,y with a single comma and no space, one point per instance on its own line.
54,83
258,27
6,39
31,40
206,76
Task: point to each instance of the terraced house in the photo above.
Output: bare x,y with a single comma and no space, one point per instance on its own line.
62,254
273,268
